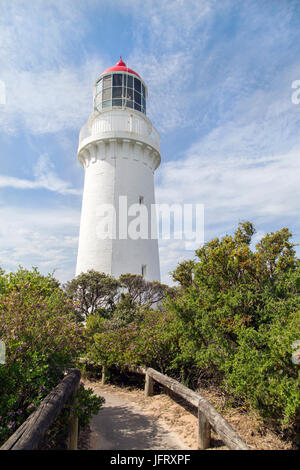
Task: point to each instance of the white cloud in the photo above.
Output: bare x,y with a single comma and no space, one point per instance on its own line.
51,100
263,190
45,91
46,239
234,186
45,178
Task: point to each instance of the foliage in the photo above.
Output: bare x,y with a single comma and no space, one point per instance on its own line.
238,311
42,338
149,340
232,319
97,293
93,292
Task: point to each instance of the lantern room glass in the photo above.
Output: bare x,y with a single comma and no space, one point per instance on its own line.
120,90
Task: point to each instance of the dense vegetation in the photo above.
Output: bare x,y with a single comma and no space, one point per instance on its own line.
42,337
232,319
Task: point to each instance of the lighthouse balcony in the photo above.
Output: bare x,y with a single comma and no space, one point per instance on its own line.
119,123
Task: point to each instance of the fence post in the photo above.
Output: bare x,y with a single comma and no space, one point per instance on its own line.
104,375
73,425
149,382
203,431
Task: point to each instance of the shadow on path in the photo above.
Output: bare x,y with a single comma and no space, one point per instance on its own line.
121,425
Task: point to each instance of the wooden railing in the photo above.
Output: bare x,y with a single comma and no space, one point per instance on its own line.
29,435
208,416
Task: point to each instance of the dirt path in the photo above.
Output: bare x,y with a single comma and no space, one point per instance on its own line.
159,417
122,425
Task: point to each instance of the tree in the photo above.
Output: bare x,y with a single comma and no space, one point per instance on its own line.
97,293
142,292
94,292
238,310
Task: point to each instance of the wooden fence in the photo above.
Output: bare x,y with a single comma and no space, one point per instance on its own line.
31,432
208,416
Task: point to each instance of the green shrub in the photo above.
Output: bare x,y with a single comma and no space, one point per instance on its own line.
42,338
238,314
149,340
261,371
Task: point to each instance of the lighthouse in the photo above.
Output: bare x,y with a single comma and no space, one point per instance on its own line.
119,150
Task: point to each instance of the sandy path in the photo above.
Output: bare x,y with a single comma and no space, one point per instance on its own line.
176,419
122,425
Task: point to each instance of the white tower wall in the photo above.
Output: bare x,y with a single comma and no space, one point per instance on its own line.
119,150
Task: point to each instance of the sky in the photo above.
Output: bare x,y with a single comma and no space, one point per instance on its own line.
220,77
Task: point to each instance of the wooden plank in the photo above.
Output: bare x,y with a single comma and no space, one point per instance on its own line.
73,424
31,432
203,431
184,392
104,375
217,422
149,386
137,370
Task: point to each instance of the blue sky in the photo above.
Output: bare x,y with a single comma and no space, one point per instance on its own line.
220,77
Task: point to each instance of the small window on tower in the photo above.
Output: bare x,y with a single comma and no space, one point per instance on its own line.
137,85
106,94
99,87
128,103
117,79
117,92
107,81
144,269
141,199
117,102
137,97
128,81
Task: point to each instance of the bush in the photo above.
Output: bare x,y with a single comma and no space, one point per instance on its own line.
232,319
261,371
42,338
238,312
150,340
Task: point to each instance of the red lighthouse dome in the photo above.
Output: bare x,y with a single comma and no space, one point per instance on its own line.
120,87
120,67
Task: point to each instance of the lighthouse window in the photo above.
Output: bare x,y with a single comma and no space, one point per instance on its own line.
120,89
117,79
117,102
128,104
128,81
107,81
99,87
137,97
106,104
137,85
144,270
117,92
106,94
128,94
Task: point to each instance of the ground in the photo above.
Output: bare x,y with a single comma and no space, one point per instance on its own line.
164,420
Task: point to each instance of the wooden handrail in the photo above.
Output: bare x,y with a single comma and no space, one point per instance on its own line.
30,433
207,414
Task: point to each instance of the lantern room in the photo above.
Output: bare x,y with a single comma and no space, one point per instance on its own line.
120,87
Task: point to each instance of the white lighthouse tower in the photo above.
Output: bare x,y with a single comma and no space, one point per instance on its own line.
119,150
